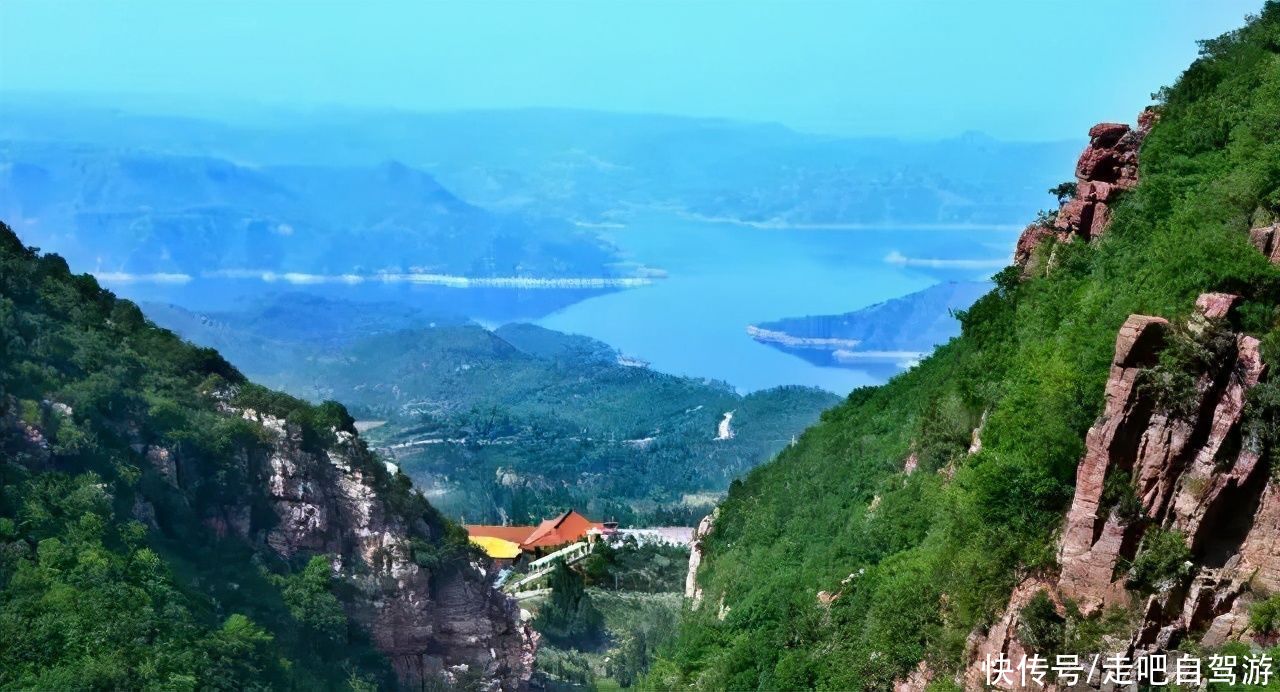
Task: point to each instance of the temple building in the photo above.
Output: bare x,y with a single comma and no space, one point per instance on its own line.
505,544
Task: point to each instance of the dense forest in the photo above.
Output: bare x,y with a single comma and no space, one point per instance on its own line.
119,449
918,560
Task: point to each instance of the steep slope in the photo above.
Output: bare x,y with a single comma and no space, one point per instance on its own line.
164,522
884,548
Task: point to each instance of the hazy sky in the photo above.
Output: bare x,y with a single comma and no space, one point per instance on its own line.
1015,68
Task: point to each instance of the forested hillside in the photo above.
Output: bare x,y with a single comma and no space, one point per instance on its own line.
516,423
885,537
165,523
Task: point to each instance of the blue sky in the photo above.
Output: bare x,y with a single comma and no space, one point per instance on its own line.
1025,69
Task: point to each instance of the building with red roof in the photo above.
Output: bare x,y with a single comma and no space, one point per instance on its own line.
569,527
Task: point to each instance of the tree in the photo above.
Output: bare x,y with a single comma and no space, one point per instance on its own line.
569,618
1063,191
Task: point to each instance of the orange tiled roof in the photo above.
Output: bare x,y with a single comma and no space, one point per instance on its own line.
566,528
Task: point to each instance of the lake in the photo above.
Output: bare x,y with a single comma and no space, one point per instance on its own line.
720,277
725,276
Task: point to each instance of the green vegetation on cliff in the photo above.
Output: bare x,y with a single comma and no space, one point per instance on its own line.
917,560
112,574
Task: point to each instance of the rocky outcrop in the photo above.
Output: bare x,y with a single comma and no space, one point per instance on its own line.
1192,470
22,438
1092,539
691,588
1267,240
1001,637
919,679
1107,166
330,497
431,623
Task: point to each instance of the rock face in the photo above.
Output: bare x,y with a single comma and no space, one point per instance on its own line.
691,588
1092,539
1000,638
1193,471
1108,165
429,624
328,498
1267,240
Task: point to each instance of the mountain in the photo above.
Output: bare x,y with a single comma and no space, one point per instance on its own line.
270,337
516,422
599,168
165,522
140,212
901,330
1089,468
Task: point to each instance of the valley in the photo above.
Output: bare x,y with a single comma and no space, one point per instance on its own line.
511,424
543,347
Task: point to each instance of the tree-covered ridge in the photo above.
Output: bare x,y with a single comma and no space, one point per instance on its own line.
915,561
113,573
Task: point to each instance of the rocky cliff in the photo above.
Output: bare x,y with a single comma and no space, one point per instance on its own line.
1107,167
445,622
1157,467
440,622
1181,466
1120,495
189,464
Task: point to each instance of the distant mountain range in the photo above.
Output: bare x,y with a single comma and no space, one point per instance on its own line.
901,330
598,168
145,215
509,424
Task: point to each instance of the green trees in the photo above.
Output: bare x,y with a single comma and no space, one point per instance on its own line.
568,618
1162,558
1064,191
110,576
920,559
1264,617
310,600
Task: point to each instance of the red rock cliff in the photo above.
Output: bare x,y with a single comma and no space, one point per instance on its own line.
1108,165
1192,472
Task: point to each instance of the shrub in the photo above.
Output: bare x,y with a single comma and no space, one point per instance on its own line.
1261,424
1189,352
1120,496
1064,191
1041,628
1162,560
1264,617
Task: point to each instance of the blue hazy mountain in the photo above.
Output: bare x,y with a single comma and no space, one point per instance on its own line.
135,211
898,331
596,167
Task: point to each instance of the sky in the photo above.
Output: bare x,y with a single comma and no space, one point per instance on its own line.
1015,69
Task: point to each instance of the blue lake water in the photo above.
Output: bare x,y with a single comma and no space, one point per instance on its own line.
720,277
723,277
